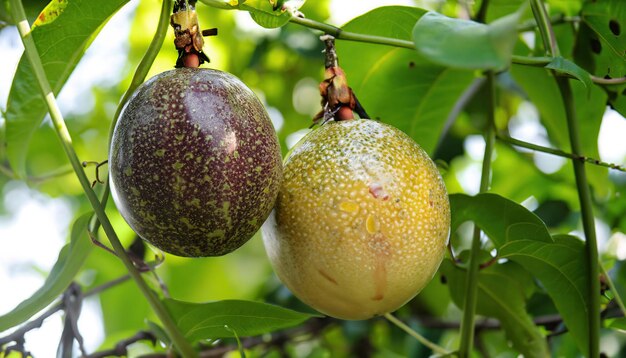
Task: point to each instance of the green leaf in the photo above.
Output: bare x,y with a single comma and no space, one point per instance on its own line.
270,14
61,36
466,44
617,324
608,20
566,7
32,8
501,8
557,262
619,103
71,259
397,85
501,219
263,13
561,267
502,293
222,319
567,67
269,21
601,45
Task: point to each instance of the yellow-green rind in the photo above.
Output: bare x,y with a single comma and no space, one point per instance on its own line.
361,221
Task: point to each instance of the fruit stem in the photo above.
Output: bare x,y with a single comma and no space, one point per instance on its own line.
61,129
423,340
471,283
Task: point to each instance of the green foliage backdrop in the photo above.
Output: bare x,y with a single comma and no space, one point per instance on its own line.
447,73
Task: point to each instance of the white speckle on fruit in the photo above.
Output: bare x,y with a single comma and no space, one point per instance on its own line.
355,202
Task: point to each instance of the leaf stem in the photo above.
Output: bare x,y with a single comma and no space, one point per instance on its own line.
423,340
557,152
584,196
59,125
471,283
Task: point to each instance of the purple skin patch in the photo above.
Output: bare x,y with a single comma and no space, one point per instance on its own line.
195,162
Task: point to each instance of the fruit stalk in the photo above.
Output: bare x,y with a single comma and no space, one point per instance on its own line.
59,125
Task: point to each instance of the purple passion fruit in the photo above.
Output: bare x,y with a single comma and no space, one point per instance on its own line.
195,163
361,221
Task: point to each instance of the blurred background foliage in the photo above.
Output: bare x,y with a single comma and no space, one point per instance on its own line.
284,66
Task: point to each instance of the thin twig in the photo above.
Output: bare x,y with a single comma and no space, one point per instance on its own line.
55,173
121,348
311,328
531,24
608,81
558,152
36,323
19,333
340,34
434,347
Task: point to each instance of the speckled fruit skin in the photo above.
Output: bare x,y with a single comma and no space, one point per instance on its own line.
195,163
361,221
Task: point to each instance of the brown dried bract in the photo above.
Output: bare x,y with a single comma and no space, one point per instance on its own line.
188,39
338,99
